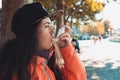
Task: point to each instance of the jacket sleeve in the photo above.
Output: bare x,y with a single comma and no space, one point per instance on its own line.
73,68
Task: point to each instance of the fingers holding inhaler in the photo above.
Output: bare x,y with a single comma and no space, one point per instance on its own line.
63,29
63,37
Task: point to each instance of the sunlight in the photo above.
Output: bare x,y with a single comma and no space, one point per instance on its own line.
94,76
111,12
116,65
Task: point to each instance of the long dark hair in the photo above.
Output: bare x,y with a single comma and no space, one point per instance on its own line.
16,54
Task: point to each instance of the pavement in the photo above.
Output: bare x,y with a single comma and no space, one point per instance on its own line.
101,60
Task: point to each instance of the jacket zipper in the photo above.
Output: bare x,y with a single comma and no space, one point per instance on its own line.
46,72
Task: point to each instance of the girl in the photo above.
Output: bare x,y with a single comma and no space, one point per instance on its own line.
30,55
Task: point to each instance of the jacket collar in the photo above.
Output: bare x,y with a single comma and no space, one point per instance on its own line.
39,60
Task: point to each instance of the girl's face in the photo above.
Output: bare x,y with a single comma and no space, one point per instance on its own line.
45,34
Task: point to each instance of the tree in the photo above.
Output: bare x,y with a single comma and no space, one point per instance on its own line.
60,20
85,29
79,9
8,9
95,28
106,25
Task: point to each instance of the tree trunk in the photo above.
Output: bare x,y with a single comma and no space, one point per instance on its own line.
60,21
71,21
8,9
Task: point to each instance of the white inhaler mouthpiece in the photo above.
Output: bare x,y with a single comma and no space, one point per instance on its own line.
61,31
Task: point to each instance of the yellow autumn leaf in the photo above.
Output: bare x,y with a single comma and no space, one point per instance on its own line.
93,7
90,1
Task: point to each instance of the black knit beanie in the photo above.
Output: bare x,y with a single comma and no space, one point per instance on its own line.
26,16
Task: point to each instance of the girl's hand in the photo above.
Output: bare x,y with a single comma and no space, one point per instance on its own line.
65,39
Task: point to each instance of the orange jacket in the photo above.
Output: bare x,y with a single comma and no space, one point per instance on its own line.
73,68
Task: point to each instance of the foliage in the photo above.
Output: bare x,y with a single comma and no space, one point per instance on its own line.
85,10
80,9
85,29
94,5
94,28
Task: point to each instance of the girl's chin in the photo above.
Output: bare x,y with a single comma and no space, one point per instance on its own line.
51,44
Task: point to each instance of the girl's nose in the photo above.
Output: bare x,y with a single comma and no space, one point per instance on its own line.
51,30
